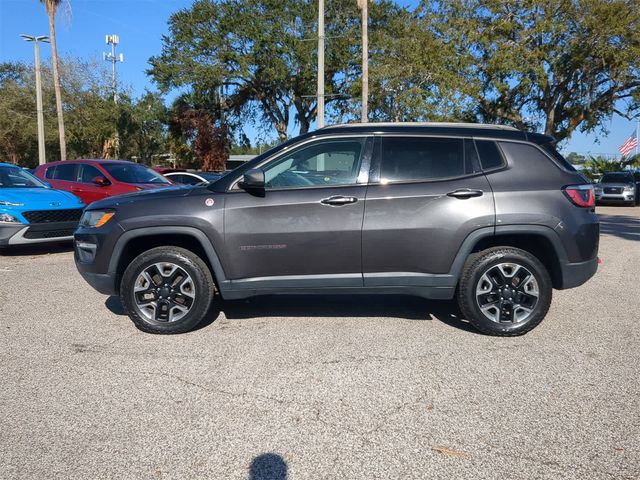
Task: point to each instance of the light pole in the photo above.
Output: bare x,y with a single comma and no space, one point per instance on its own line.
36,39
364,6
320,63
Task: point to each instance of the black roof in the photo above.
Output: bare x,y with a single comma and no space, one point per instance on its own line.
454,129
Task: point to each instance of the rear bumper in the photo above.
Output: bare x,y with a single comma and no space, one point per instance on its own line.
575,274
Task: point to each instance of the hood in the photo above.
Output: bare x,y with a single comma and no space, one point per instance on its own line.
39,198
151,186
149,194
615,184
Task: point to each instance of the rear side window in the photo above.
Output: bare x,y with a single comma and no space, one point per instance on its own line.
490,155
50,172
423,158
67,172
551,150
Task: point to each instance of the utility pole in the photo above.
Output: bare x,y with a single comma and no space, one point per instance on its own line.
320,63
364,6
36,39
113,40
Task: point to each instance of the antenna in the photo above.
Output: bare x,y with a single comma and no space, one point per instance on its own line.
111,56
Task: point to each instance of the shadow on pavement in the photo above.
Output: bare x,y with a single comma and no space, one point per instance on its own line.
36,249
268,466
323,306
622,226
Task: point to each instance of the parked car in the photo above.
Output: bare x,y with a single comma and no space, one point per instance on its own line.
618,187
491,215
33,212
193,178
93,180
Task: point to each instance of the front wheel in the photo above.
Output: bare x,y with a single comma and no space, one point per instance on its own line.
504,291
167,290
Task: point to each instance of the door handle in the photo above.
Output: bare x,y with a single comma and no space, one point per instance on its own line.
465,193
338,201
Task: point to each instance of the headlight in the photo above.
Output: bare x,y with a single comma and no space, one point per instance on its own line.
96,218
628,188
6,218
598,190
5,203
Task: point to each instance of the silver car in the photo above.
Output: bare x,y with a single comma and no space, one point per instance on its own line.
619,187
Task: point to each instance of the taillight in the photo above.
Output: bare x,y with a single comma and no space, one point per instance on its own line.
581,195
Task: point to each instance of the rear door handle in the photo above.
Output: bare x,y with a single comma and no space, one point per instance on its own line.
465,193
338,201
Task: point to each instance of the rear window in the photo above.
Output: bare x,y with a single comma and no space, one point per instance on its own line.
551,150
490,155
423,158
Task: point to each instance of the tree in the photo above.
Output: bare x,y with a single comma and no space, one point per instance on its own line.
51,7
264,54
551,65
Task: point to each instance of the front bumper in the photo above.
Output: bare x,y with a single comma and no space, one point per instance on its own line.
26,234
616,197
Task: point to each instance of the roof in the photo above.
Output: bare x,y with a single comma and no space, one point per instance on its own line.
438,128
425,125
96,160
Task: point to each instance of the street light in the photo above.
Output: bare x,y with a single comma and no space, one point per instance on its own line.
36,40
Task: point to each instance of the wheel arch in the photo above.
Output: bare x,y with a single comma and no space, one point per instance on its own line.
133,242
540,241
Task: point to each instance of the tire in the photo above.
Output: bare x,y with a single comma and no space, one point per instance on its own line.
510,274
175,290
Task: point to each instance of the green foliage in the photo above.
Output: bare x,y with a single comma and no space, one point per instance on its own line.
92,118
551,65
599,165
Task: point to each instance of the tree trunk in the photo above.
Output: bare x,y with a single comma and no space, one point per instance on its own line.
56,81
281,128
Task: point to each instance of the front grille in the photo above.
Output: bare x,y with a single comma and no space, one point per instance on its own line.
50,216
612,190
48,234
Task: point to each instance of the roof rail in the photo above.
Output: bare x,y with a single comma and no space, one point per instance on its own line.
425,124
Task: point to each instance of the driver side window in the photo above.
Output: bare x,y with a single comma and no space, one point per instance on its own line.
326,163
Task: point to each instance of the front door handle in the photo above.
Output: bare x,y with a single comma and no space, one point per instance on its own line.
465,193
338,201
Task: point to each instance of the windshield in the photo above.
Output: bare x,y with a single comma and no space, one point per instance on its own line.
618,177
16,177
133,173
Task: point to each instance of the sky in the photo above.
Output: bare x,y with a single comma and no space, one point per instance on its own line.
81,31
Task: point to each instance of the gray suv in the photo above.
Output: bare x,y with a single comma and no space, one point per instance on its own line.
490,215
618,187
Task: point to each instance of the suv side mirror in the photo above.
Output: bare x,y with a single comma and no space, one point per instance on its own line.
101,181
253,181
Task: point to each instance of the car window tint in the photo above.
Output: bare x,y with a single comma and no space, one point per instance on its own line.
50,172
471,159
490,155
186,179
333,162
426,158
89,172
67,172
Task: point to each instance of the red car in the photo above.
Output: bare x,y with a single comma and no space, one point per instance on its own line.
93,180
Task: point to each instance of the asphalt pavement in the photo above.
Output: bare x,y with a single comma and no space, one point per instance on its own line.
330,387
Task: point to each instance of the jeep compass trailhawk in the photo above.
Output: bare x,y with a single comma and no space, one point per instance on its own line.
490,215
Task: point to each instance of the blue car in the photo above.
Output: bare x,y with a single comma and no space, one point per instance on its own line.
32,212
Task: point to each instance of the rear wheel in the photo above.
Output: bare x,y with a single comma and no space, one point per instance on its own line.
167,290
504,291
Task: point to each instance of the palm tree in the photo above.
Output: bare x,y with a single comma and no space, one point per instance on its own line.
52,7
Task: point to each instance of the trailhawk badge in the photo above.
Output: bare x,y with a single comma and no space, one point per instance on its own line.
209,202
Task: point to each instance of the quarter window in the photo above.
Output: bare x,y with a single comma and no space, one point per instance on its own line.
328,163
490,155
423,158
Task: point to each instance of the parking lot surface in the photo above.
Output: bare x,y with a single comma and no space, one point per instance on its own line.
320,387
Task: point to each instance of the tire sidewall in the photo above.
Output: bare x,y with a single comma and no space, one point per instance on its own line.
201,277
484,262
